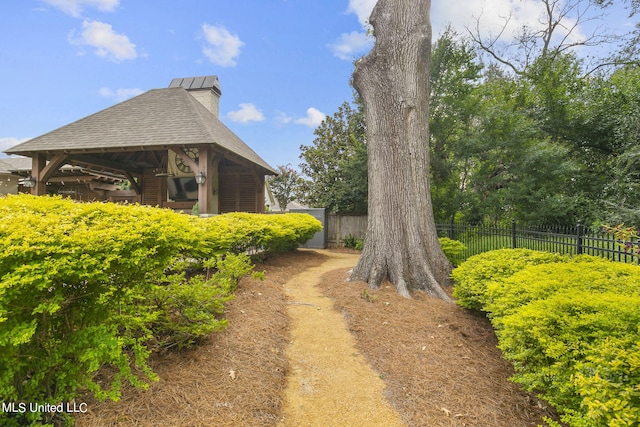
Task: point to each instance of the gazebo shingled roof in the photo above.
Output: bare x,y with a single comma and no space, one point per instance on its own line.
153,120
135,139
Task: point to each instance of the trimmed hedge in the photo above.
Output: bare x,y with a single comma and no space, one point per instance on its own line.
452,249
240,232
473,276
87,285
570,328
73,280
584,273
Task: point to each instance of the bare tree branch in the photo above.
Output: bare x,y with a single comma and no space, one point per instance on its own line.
559,31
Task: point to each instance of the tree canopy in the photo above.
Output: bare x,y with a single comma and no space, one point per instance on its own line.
336,162
286,186
555,141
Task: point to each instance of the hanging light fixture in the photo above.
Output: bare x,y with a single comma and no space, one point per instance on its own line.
201,178
28,182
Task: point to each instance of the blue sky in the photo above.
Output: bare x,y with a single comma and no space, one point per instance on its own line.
283,64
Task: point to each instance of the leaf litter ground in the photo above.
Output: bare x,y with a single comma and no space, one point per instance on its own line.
429,362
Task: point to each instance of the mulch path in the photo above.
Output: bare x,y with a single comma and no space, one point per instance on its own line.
439,362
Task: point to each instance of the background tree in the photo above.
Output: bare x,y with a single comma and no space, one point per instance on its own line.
336,162
606,138
498,138
454,79
393,81
522,167
559,32
285,186
552,141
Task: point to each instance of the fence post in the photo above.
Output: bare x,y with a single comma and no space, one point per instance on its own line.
514,242
579,234
451,234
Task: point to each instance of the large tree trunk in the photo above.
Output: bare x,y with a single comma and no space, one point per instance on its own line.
393,80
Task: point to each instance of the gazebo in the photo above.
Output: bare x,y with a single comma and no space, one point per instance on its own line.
168,144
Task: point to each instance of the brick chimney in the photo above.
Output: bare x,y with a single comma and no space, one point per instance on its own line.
205,89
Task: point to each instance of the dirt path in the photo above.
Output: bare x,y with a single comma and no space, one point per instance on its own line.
330,383
440,363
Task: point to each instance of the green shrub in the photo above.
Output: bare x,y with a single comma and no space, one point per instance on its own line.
240,232
90,285
608,380
453,249
579,352
570,328
73,280
353,242
472,276
583,273
190,309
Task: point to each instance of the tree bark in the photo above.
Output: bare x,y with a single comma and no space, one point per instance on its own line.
393,80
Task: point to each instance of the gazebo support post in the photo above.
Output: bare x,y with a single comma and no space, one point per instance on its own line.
205,190
38,163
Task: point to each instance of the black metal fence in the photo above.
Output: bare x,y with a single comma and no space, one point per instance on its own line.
573,240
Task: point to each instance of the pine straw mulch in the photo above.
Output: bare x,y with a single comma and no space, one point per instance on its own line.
439,362
234,379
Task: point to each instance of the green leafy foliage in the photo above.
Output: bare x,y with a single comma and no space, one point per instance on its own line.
570,328
188,311
607,137
584,273
285,186
241,232
473,277
336,162
608,380
90,285
453,249
353,242
453,104
557,345
73,279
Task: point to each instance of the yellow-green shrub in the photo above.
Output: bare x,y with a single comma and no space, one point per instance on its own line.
549,339
608,381
571,330
583,273
239,232
190,308
84,285
473,276
73,280
452,249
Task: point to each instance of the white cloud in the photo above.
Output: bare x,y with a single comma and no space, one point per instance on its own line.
362,9
6,143
121,94
75,7
247,113
222,47
314,118
107,43
356,43
283,118
492,15
351,45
